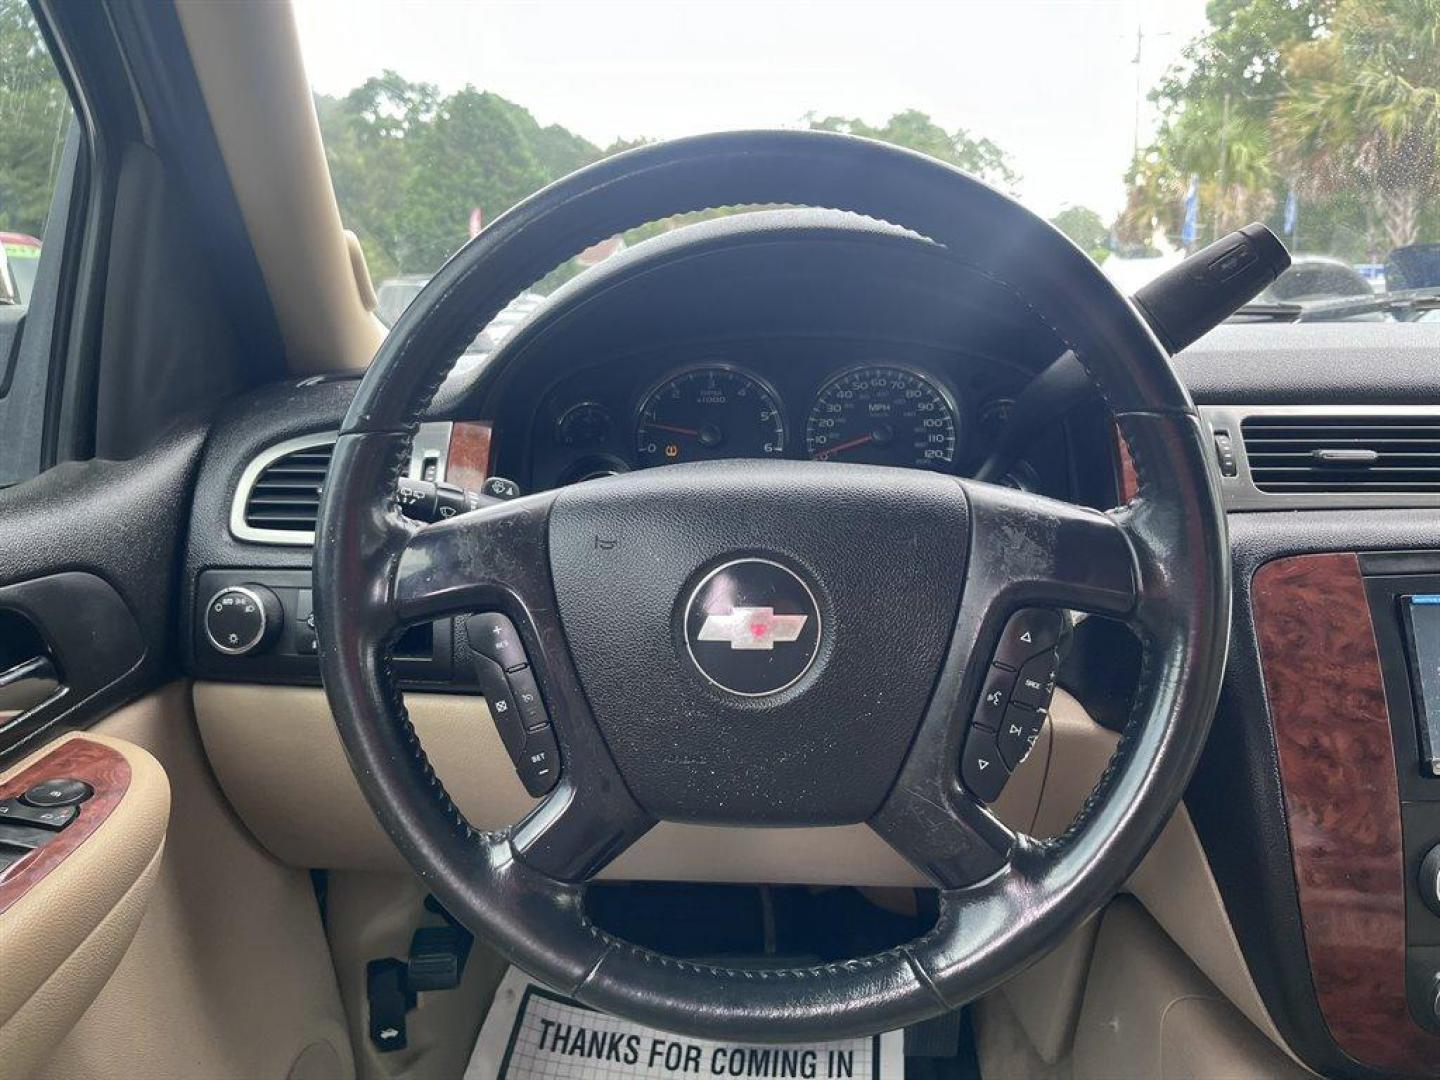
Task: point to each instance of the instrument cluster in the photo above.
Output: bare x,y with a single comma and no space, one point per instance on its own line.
935,412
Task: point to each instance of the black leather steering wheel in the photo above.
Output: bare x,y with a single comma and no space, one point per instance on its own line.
598,578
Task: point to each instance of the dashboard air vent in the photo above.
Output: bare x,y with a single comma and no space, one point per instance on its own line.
1343,453
286,494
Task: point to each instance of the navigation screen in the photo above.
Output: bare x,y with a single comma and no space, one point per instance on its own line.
1422,615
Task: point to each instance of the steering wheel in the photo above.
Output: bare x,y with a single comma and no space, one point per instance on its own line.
858,712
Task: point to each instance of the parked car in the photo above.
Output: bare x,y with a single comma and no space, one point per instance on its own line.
1316,277
22,256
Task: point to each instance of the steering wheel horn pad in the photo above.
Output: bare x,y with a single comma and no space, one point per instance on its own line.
911,576
626,554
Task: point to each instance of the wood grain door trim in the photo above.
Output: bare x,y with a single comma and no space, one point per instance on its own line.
104,769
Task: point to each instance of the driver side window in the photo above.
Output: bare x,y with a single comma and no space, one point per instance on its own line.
37,149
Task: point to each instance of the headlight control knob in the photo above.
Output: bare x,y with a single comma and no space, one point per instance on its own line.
1429,879
241,620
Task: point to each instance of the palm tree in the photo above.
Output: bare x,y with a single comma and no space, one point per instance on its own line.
1155,189
1224,141
1362,109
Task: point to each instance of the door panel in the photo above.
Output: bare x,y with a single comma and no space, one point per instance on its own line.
74,659
229,974
88,557
70,908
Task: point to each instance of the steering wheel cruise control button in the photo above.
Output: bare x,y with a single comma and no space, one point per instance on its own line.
496,688
539,762
1029,633
494,635
981,766
62,792
1018,733
1035,684
508,683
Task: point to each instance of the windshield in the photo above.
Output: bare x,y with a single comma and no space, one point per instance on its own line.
1142,130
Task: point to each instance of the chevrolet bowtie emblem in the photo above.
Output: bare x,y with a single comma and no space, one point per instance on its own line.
752,628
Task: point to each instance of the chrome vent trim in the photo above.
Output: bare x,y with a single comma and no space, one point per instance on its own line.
1277,467
241,526
429,457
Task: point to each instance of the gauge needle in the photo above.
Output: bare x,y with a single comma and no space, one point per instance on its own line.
849,444
694,433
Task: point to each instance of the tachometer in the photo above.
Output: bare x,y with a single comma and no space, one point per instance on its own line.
709,412
883,415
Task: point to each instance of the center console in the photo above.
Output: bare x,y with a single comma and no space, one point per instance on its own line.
1350,652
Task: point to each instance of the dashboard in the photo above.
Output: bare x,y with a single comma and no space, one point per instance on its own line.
806,339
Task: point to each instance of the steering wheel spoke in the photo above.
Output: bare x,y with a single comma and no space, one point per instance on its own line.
582,826
940,829
492,565
1026,552
492,558
1031,551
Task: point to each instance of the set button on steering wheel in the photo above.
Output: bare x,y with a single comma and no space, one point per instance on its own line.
1014,700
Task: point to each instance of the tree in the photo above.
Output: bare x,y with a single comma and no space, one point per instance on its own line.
1363,109
369,137
915,130
1334,102
477,152
1085,227
410,165
1154,188
1215,121
34,115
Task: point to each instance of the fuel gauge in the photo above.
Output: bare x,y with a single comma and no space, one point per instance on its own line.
585,424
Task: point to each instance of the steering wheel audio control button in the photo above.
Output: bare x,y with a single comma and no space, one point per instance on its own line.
1035,684
1018,733
493,635
994,698
539,762
981,766
1029,633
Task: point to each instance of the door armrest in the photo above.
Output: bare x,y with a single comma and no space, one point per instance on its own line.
70,908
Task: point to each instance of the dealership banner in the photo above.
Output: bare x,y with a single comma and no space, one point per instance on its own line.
532,1033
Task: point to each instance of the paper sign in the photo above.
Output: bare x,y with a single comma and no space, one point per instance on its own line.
532,1033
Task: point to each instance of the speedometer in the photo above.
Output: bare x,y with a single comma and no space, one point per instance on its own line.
709,412
883,415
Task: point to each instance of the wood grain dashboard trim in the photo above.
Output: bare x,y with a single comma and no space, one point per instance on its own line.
468,459
1337,768
104,769
1127,479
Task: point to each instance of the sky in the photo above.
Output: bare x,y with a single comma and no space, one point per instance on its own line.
1053,82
